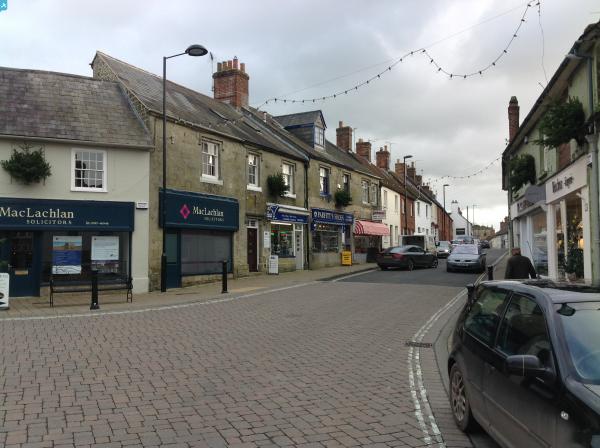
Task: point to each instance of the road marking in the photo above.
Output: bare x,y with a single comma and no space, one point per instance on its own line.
157,308
353,275
418,392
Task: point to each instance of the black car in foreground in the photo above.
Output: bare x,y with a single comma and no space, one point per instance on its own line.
408,257
525,364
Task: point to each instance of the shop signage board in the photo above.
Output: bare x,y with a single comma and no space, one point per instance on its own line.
323,216
66,255
48,214
4,288
273,264
379,215
280,213
201,211
346,258
571,179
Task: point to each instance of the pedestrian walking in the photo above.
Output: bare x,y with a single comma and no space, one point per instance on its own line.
519,266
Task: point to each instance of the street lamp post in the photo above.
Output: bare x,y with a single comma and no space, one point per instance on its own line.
473,224
192,50
405,195
445,213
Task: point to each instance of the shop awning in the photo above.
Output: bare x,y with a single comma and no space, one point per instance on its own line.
370,228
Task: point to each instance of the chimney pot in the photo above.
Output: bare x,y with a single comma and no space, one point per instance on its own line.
243,66
219,66
513,118
235,63
344,137
363,149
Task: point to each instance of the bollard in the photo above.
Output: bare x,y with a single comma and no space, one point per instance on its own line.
490,272
94,305
224,291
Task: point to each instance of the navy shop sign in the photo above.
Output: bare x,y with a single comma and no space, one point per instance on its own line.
201,211
277,213
323,216
49,214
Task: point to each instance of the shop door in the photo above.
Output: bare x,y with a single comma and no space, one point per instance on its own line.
253,249
173,260
19,256
299,250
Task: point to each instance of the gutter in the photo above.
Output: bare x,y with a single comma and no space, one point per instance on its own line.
76,142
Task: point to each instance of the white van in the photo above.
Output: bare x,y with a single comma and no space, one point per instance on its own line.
426,242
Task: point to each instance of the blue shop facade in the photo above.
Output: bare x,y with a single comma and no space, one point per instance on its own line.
45,238
199,231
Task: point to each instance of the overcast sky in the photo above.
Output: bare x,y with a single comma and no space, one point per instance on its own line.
304,49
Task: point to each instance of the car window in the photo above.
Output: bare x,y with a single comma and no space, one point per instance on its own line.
414,249
484,316
523,330
466,249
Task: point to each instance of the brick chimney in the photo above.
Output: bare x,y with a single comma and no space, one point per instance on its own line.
411,173
231,83
344,137
399,168
363,149
513,118
418,179
382,158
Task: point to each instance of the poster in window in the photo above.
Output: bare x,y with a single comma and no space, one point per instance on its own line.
66,255
105,248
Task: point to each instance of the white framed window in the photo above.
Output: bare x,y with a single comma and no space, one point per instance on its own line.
210,160
401,206
324,181
365,191
395,203
253,171
346,182
426,210
373,194
319,136
88,170
287,169
385,195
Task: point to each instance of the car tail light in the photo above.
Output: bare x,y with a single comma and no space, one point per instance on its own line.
397,256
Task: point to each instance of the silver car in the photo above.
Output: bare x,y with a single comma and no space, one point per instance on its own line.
466,257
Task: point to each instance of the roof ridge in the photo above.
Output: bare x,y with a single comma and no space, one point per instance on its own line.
50,72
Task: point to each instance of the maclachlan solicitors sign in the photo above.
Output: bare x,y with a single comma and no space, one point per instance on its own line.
47,214
201,211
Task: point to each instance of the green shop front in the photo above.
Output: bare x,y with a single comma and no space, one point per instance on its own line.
44,238
199,235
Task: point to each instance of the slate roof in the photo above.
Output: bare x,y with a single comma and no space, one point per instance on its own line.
195,109
62,106
299,119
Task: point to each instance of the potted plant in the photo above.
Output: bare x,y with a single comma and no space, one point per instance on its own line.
277,186
27,165
574,265
342,198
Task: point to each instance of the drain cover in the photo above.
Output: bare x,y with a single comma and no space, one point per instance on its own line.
419,344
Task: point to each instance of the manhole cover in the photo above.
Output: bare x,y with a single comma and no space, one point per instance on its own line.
419,344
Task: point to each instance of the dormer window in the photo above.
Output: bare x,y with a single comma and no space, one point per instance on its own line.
319,136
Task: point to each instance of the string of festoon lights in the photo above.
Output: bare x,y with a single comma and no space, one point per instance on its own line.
440,179
422,52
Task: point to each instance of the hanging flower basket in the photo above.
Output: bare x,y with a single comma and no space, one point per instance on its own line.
342,198
276,185
27,165
522,171
562,122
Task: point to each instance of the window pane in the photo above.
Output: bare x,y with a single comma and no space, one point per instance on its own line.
203,251
89,171
484,316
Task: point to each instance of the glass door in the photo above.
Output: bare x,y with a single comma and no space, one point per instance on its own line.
18,257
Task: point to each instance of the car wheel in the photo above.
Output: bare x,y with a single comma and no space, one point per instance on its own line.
434,263
411,265
459,401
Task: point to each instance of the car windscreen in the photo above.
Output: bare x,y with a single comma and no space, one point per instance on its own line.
581,326
444,244
465,249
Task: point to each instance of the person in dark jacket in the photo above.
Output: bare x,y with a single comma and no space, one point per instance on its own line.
519,266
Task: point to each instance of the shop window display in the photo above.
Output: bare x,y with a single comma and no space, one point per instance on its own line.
540,247
326,238
282,240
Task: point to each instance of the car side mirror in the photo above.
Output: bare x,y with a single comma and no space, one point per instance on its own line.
527,366
470,292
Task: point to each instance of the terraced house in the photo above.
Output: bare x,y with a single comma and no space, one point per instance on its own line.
550,168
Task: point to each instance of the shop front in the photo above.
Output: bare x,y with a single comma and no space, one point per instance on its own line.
44,238
331,232
529,227
367,240
287,235
199,235
567,220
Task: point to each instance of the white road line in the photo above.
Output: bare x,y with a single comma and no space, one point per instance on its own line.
423,411
353,275
157,308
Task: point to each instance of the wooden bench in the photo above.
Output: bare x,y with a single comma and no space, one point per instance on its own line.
62,285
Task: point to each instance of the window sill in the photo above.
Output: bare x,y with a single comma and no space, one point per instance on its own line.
290,195
89,190
254,188
211,180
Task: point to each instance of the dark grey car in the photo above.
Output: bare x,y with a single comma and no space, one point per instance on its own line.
408,257
525,364
466,257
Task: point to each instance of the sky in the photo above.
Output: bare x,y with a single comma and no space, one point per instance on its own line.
303,49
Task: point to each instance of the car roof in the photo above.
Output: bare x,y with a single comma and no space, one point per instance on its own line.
556,291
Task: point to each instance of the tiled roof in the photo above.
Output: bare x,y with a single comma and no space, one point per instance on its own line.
299,119
197,109
62,106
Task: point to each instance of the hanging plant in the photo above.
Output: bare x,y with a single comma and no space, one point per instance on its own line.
562,122
27,165
342,198
522,170
276,185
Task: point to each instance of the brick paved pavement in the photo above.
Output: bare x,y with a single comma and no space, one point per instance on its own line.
322,365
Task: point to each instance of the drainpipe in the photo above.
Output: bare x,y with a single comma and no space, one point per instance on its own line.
306,238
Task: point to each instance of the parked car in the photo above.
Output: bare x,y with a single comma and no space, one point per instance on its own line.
443,249
525,364
425,242
485,244
466,257
407,257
